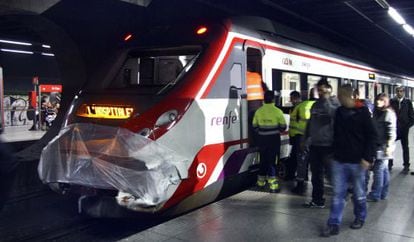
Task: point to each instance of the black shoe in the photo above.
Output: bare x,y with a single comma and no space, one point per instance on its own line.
329,230
412,173
357,224
406,170
312,204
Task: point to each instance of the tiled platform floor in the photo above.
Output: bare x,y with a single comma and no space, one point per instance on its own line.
261,216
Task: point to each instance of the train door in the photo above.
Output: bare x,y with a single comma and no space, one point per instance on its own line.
254,90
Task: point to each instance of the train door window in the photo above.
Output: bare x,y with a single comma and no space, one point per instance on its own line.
312,80
361,89
254,60
290,82
235,80
334,83
371,91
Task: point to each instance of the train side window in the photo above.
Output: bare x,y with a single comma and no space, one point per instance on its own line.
290,82
312,81
334,83
379,88
371,91
362,89
412,94
387,89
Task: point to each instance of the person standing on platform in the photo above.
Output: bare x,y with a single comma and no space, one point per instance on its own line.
255,88
405,119
319,134
354,147
298,121
268,122
294,136
385,121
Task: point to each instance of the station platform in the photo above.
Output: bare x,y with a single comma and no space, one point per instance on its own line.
20,133
260,216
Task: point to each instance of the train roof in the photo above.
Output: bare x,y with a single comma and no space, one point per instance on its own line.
266,29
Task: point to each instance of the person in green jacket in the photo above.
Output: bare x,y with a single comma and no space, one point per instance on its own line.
298,121
268,122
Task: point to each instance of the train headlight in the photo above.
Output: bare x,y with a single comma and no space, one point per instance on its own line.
167,118
145,132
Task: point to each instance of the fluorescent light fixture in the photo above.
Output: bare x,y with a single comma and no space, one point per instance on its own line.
47,54
46,46
408,28
14,42
396,16
17,51
383,3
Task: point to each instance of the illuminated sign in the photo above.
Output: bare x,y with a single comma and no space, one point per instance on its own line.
371,76
105,111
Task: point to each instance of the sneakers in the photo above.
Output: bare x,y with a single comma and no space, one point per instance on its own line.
329,230
357,224
312,204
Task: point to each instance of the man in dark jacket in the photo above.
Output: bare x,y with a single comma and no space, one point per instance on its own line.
319,135
354,144
405,119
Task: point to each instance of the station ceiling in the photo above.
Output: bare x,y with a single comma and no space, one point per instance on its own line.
363,25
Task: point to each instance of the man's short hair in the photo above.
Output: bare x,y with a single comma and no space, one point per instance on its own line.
399,88
295,94
269,97
323,82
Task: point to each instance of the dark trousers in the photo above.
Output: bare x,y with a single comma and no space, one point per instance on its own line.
403,137
269,150
252,106
295,153
319,158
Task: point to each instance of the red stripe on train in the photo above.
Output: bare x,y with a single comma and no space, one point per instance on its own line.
209,155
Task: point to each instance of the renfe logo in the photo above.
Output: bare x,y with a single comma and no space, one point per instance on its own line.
201,170
224,121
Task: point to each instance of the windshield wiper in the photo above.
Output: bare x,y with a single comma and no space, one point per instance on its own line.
180,75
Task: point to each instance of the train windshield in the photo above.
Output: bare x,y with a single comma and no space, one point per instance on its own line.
155,71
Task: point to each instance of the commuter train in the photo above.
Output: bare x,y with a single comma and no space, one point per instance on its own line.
165,127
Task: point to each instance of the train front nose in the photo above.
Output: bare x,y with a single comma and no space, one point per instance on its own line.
105,157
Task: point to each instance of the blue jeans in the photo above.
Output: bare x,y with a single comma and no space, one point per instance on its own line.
342,174
379,187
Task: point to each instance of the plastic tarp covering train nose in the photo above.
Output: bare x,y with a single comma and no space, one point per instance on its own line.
112,158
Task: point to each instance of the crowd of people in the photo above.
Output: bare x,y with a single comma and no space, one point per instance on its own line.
343,139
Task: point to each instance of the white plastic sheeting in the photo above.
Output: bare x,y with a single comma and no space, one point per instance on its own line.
109,157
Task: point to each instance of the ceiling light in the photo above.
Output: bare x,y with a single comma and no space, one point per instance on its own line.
383,3
409,29
47,54
396,16
14,42
17,51
46,46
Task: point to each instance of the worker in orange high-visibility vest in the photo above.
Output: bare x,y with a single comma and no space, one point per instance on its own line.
255,94
254,86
